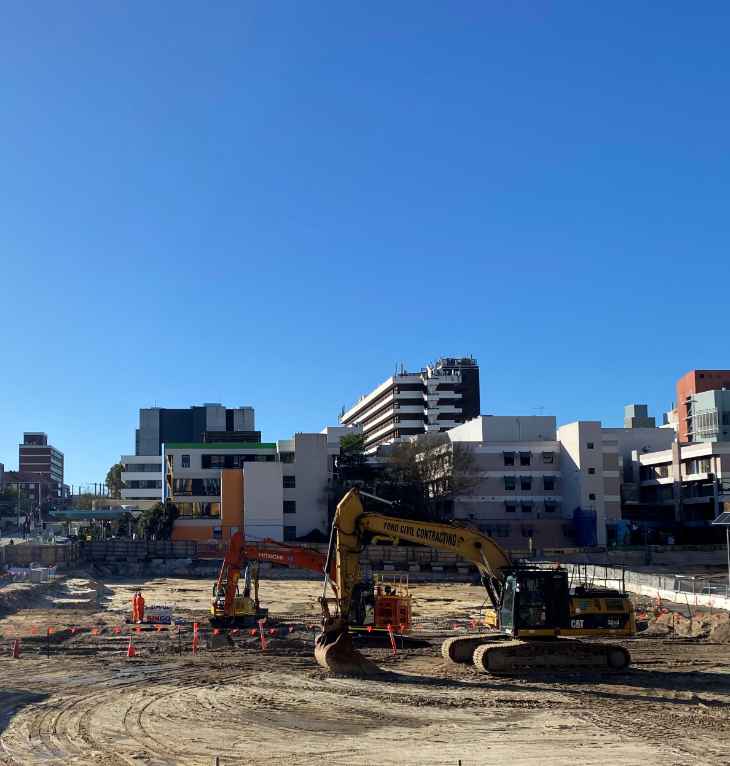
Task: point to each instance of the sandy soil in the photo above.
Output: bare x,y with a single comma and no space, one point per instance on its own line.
88,704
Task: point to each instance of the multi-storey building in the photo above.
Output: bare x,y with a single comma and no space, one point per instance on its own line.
678,491
408,404
688,386
589,466
206,423
708,418
295,480
141,477
38,458
513,489
559,486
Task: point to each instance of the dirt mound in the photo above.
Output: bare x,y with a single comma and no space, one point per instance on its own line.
700,625
721,633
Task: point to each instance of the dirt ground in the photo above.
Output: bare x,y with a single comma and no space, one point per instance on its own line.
74,697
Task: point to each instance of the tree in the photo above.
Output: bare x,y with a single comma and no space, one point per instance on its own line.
114,480
429,472
156,523
125,523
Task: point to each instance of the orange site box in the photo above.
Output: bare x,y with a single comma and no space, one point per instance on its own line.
392,603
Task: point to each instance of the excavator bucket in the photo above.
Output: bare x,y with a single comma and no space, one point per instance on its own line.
335,652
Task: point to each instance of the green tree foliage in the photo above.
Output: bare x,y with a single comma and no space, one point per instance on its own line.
156,523
125,523
114,480
8,501
421,477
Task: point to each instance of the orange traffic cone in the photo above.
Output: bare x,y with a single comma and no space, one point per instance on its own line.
130,649
16,649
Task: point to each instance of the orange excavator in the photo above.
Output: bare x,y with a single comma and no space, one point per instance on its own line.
233,605
386,601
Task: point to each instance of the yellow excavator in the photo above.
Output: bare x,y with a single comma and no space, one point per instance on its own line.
538,617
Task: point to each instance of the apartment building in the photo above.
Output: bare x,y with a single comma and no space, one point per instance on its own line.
695,382
193,472
295,481
141,478
558,486
438,397
208,423
514,489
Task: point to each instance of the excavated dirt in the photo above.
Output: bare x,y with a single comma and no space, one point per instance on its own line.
87,703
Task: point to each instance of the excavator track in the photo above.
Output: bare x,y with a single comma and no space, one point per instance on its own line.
460,649
520,657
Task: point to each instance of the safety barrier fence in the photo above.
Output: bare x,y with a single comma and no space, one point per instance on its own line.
51,640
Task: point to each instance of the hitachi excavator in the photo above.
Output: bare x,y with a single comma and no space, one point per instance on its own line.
538,618
229,607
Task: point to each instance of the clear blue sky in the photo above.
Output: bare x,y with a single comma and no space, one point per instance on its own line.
273,203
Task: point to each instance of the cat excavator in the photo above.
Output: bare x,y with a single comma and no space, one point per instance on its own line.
538,617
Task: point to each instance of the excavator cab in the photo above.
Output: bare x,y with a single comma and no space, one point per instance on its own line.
245,610
535,602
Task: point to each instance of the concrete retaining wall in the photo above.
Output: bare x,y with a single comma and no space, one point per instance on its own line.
24,554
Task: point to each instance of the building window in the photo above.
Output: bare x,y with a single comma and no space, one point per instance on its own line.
290,534
548,483
591,496
509,483
525,458
590,445
509,458
290,482
526,482
548,457
185,461
290,506
550,507
526,532
526,507
591,471
510,507
286,457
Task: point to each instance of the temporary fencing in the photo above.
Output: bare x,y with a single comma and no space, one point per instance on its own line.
187,636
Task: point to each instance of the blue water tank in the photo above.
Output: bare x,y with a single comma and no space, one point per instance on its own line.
584,523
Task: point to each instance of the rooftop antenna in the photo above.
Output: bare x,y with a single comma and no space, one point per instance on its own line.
540,408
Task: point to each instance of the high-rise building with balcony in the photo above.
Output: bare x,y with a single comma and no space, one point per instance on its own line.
438,397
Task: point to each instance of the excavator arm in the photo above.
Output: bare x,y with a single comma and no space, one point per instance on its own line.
240,554
235,560
350,526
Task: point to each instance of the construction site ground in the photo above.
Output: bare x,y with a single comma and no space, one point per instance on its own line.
74,697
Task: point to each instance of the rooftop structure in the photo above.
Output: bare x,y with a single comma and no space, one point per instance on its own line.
438,397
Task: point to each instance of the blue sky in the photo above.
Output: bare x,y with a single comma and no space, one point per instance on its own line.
274,203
